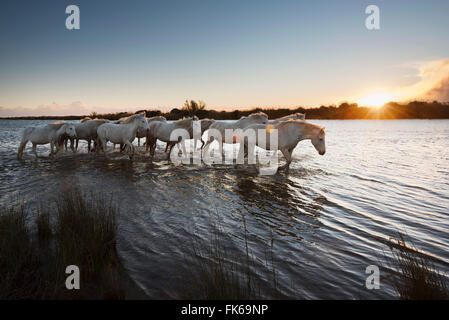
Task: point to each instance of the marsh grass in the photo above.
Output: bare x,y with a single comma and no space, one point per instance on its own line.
18,258
83,233
44,229
412,273
217,274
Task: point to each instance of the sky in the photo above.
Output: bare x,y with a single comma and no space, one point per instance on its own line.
129,55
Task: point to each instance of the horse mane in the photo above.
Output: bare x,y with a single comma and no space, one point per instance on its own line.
85,119
183,121
100,120
57,125
260,113
157,118
131,119
303,122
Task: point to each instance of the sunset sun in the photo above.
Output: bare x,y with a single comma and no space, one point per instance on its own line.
375,99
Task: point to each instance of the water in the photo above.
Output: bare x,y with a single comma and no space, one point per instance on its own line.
329,216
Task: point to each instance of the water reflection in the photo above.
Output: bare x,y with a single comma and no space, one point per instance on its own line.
328,216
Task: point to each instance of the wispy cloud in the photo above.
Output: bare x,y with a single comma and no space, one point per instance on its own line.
76,108
54,109
433,82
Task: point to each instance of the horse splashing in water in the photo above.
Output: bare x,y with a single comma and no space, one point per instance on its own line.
290,133
144,133
162,130
52,133
204,125
221,126
86,129
121,133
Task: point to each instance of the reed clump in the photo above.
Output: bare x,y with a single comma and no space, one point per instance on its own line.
413,275
79,230
217,274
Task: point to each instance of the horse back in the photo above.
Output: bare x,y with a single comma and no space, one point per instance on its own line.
27,133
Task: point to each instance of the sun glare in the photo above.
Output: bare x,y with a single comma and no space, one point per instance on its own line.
376,100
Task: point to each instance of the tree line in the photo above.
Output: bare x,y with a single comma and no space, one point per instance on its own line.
390,110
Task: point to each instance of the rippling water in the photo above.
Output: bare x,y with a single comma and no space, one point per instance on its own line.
329,216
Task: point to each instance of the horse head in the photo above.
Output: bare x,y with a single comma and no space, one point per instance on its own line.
319,141
142,122
69,129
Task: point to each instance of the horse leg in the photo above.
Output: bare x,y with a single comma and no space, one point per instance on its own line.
288,157
170,146
102,144
148,145
153,146
182,149
74,147
131,147
88,145
35,151
206,145
138,142
220,147
97,150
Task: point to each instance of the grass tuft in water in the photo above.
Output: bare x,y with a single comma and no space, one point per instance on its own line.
216,274
413,274
83,234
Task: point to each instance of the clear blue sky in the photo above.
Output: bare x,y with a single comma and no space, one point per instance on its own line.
130,54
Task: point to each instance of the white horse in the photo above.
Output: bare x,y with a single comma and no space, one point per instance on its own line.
295,116
162,130
204,125
144,133
289,134
50,133
86,129
242,123
122,133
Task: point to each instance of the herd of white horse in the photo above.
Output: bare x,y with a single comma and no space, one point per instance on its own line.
290,131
